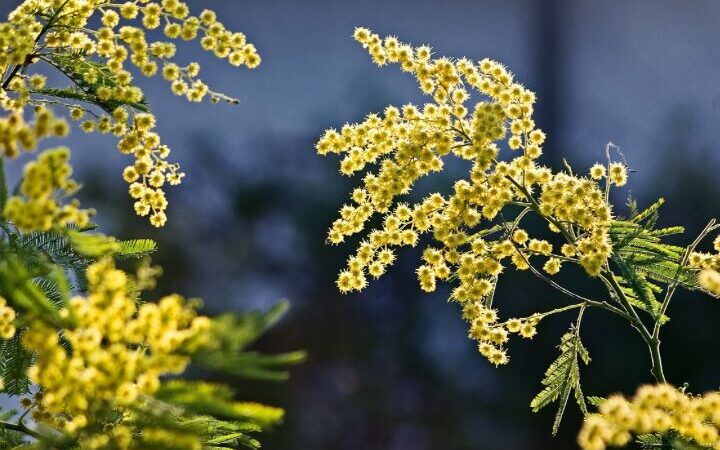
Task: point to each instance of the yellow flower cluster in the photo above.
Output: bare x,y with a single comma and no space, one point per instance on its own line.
17,43
17,40
405,144
653,409
46,181
709,265
579,201
116,44
7,320
97,59
709,280
151,170
18,134
119,350
491,335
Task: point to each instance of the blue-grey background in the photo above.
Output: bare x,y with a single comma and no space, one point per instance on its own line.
391,368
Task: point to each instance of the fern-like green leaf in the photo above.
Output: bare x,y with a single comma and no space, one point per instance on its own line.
252,365
642,292
45,250
135,248
562,378
75,65
642,259
649,213
233,333
200,430
14,363
17,285
214,400
670,440
651,441
93,245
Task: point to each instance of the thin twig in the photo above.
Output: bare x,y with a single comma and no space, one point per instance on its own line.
20,428
562,289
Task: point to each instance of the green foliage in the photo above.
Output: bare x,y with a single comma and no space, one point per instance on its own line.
75,65
96,245
42,250
17,283
233,333
9,439
636,287
212,433
38,273
562,378
135,248
216,400
643,260
70,249
594,400
667,441
14,362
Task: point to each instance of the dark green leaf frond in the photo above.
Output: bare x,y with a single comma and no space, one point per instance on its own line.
563,377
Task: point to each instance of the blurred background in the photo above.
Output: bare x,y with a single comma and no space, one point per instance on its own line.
391,368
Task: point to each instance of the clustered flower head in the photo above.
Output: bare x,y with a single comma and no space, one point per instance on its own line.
151,170
709,268
99,62
653,409
581,202
123,37
491,335
7,320
397,148
46,182
118,351
18,134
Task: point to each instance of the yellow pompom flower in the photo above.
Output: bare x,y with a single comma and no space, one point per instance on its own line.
654,409
709,280
119,349
617,174
7,320
103,60
597,172
473,111
552,266
46,181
